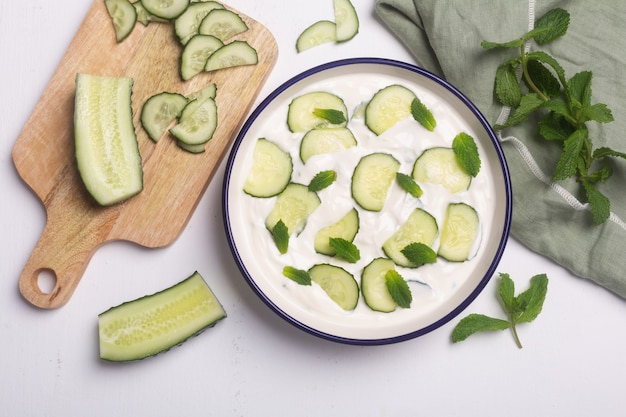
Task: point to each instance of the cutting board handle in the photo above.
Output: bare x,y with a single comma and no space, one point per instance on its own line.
64,252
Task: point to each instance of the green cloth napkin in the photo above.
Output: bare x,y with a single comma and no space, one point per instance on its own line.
445,35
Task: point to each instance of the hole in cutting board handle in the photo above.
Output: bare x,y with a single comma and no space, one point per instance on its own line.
46,280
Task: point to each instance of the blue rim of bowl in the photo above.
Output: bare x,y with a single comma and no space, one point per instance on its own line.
503,165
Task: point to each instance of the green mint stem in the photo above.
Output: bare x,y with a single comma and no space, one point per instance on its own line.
518,342
530,82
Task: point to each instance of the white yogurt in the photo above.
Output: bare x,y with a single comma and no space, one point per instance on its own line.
436,288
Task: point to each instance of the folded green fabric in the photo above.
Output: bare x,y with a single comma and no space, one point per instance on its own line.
445,36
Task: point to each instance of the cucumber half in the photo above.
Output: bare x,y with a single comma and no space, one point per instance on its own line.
293,206
123,15
325,140
222,23
301,115
187,24
387,107
107,152
233,54
320,32
420,227
440,166
374,285
270,171
346,228
153,324
166,9
459,232
346,19
338,283
159,111
372,179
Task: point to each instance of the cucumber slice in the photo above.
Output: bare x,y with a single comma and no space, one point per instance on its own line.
320,32
187,24
440,166
200,148
153,324
346,20
223,24
346,228
372,179
374,285
338,283
293,206
270,172
159,111
301,117
107,152
459,232
196,53
197,122
325,140
123,15
387,107
420,227
204,93
233,54
170,9
143,16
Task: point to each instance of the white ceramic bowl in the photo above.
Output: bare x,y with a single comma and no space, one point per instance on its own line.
444,288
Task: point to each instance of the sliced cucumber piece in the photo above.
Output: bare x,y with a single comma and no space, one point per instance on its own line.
200,148
293,206
270,171
143,16
107,152
420,227
170,9
301,116
346,228
153,324
372,179
223,24
346,19
320,32
323,140
233,54
338,283
387,107
374,285
187,24
440,166
196,53
204,93
159,111
123,15
197,122
459,232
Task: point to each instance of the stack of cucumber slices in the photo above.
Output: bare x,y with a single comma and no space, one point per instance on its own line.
342,29
322,122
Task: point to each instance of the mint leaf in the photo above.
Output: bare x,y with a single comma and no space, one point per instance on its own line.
516,43
579,88
598,202
551,25
419,254
555,127
543,79
466,153
409,185
506,290
549,60
475,323
531,301
398,288
422,114
333,116
598,113
507,86
345,249
566,167
529,103
280,234
605,151
297,275
322,180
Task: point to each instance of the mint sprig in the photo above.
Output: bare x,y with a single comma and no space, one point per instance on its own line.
565,104
522,308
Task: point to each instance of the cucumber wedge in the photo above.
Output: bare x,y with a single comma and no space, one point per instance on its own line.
153,324
346,20
159,111
372,179
169,10
374,285
270,172
293,206
222,23
440,166
459,232
187,24
338,283
346,228
233,54
420,227
324,140
320,32
196,53
301,115
387,107
107,152
123,15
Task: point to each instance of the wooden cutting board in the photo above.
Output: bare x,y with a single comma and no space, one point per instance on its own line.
174,180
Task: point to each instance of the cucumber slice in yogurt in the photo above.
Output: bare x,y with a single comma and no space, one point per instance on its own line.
420,227
301,115
460,230
338,283
372,179
270,172
440,165
293,206
374,285
345,228
387,107
324,140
